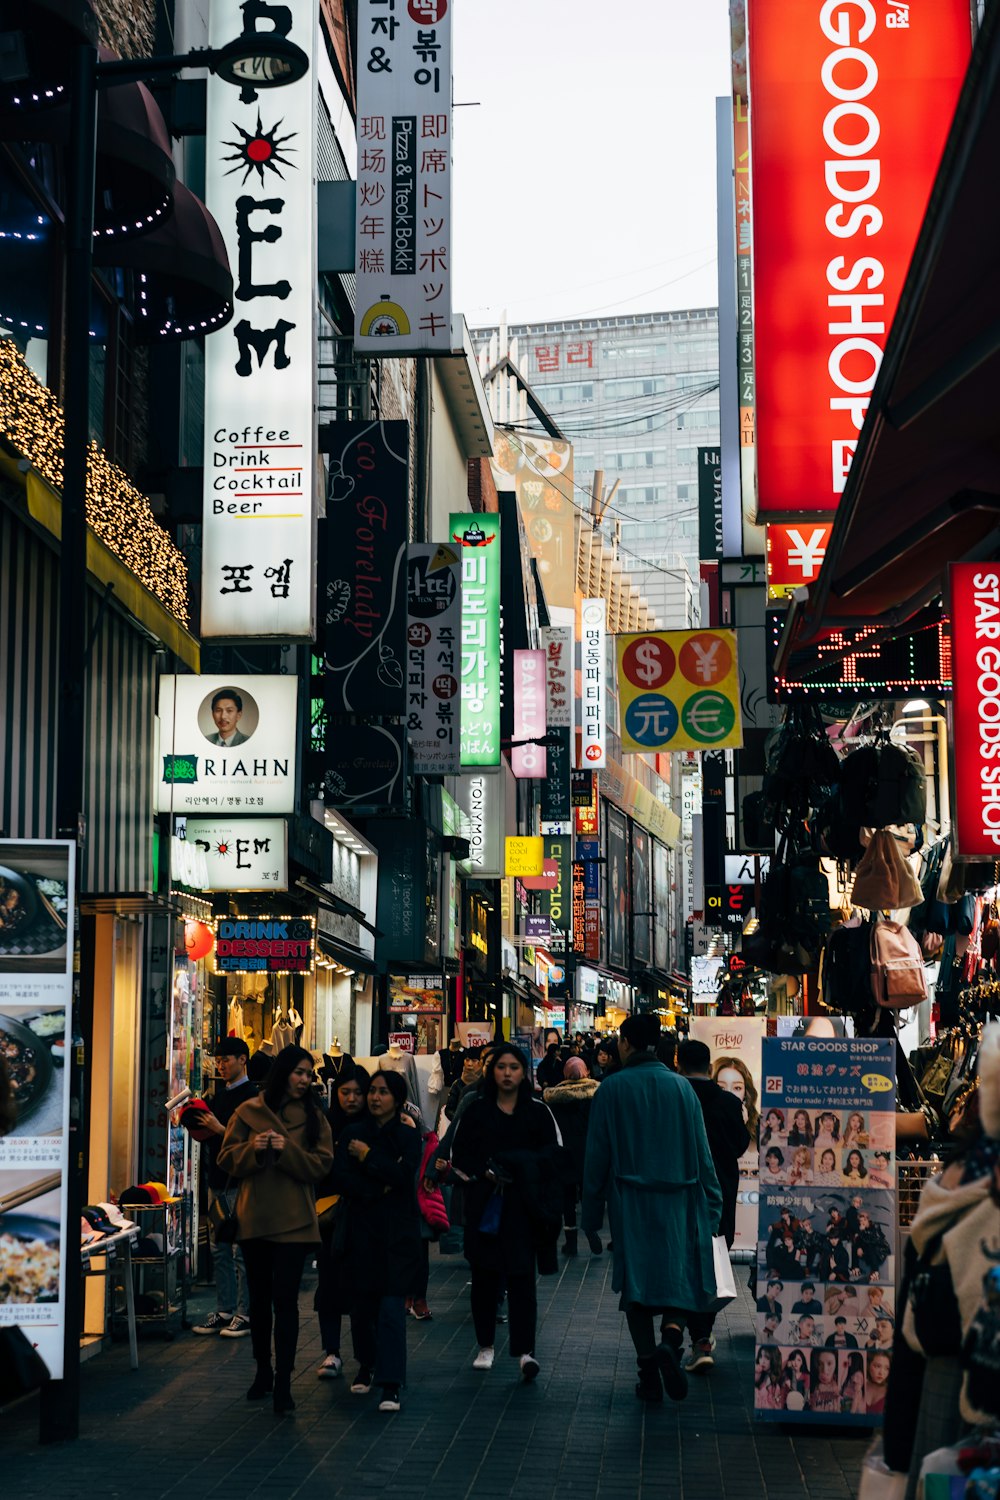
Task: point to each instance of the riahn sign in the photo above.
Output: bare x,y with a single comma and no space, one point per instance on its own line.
227,745
851,102
260,370
975,626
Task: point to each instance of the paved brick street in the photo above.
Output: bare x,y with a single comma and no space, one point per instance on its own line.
180,1426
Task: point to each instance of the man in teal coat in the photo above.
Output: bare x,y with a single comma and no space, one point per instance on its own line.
648,1160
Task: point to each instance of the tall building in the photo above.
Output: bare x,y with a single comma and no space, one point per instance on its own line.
637,396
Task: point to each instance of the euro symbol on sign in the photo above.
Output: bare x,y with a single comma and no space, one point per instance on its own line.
647,662
711,718
706,659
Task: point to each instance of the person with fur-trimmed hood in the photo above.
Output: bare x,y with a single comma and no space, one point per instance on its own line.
569,1101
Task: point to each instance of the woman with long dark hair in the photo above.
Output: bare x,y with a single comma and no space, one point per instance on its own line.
347,1106
505,1147
279,1147
375,1168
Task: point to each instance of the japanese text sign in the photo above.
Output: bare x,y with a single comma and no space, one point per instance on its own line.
433,645
260,370
524,856
795,555
975,626
227,744
403,234
851,105
679,690
593,620
477,537
528,759
241,854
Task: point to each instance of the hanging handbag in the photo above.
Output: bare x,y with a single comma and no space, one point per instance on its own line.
937,1322
898,977
221,1218
22,1368
489,1222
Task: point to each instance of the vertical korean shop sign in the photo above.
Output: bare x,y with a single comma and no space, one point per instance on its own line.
593,620
975,626
36,996
851,105
433,643
260,370
403,235
528,759
478,537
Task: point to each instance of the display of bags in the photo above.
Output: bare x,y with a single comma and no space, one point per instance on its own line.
847,968
898,978
884,880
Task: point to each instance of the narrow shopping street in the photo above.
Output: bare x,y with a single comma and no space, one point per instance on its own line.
179,1427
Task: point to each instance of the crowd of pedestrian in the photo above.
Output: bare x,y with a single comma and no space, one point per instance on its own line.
527,1150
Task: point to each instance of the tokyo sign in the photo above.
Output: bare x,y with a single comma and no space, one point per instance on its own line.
851,103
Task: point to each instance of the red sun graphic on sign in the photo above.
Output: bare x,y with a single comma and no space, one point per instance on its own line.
265,148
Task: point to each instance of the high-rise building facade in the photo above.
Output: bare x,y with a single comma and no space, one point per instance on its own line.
637,395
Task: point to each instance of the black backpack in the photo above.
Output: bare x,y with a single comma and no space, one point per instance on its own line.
880,784
847,988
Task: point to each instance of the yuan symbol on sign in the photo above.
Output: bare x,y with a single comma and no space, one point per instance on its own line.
806,553
653,722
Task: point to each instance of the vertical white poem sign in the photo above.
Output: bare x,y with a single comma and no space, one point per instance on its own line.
403,235
260,413
593,624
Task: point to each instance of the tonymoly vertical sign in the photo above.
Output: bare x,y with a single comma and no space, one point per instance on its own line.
260,439
851,102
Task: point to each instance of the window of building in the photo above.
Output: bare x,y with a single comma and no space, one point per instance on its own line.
686,455
687,492
627,390
698,421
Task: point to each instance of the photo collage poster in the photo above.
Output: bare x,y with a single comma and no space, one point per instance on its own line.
735,1045
826,1274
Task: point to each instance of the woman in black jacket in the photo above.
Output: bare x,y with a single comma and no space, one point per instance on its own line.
347,1106
375,1168
506,1149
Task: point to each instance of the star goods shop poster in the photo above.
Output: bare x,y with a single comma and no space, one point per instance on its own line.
826,1272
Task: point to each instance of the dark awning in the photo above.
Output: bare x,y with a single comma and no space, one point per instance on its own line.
51,31
185,287
135,170
345,953
924,487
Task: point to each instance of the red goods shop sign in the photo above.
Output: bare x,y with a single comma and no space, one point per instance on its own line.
975,625
851,102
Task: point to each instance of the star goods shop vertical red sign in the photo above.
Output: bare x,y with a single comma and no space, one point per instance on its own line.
975,628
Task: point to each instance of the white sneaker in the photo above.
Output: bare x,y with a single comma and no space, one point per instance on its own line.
331,1367
483,1360
529,1367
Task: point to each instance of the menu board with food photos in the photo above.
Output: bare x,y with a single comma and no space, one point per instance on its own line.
826,1274
36,990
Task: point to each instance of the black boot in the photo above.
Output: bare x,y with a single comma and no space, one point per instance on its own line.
263,1384
671,1369
649,1386
569,1244
283,1395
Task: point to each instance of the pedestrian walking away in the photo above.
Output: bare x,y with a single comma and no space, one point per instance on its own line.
279,1147
648,1162
330,1302
231,1317
508,1149
569,1102
375,1168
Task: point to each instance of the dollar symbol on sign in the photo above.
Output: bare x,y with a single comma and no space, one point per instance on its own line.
647,662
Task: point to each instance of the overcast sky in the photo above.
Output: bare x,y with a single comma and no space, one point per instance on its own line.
585,180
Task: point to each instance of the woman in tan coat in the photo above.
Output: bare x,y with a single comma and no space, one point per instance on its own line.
278,1146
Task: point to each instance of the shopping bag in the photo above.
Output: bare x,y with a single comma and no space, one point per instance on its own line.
490,1221
725,1282
878,1481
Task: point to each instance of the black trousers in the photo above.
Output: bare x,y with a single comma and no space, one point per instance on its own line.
274,1274
419,1289
378,1332
522,1308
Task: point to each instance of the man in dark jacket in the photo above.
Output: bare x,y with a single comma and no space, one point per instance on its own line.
232,1314
569,1102
728,1138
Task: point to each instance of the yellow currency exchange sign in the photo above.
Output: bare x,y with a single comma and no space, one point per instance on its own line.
679,690
525,856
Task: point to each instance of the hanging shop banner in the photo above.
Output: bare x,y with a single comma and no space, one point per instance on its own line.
524,856
240,854
710,547
579,907
826,1230
480,799
403,234
795,555
433,635
264,945
227,744
361,767
37,906
542,470
362,573
260,371
478,537
617,888
661,906
975,627
537,929
588,848
642,906
593,622
422,993
557,643
735,1044
679,690
555,901
528,760
851,109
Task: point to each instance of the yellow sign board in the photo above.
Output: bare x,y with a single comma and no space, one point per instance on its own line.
679,690
525,856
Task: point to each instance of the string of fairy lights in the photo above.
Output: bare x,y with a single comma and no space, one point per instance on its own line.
32,422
